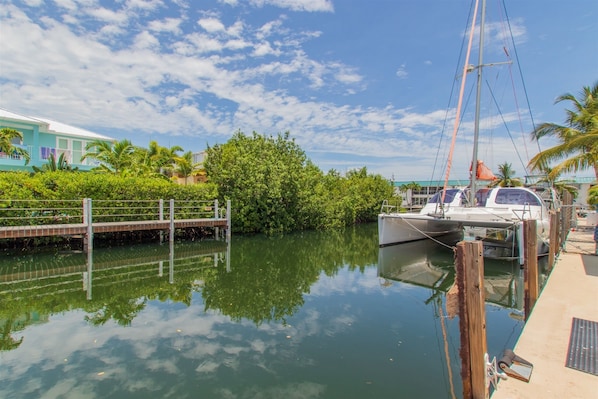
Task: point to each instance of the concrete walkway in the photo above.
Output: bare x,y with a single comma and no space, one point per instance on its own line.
571,291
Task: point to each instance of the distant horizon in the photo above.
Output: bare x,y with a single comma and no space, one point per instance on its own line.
355,83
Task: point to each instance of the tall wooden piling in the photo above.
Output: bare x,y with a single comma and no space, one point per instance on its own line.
469,264
530,266
554,244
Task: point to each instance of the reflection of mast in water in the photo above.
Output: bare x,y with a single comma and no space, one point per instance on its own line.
446,349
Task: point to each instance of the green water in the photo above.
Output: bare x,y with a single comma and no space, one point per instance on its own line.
307,315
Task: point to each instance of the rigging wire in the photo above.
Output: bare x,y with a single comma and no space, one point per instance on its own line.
515,98
506,126
520,72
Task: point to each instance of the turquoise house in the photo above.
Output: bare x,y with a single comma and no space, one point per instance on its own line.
42,137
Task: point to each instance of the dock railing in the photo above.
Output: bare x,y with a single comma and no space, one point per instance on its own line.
50,212
36,218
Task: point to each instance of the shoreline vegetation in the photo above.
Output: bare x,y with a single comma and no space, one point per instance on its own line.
273,187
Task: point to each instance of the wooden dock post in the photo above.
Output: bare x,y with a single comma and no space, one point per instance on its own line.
469,264
228,221
161,217
88,221
171,220
530,266
553,240
216,211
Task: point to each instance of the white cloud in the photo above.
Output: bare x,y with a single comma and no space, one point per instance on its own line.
33,3
146,40
166,25
402,72
297,5
211,25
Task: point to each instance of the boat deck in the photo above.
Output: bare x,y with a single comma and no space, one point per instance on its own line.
571,292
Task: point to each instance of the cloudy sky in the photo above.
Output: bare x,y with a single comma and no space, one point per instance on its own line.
357,83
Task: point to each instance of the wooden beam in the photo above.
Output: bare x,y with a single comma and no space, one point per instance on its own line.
530,266
472,318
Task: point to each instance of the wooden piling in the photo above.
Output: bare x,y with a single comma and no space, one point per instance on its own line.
553,240
530,266
469,264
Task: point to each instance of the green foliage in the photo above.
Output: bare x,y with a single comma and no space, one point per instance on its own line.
65,190
577,138
272,185
53,165
274,188
7,136
413,186
593,196
505,177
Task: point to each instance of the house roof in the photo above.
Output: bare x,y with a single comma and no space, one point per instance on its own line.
51,126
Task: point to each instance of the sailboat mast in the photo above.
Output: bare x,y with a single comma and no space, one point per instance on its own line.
476,131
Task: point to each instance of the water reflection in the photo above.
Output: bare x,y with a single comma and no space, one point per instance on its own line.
430,264
307,315
113,283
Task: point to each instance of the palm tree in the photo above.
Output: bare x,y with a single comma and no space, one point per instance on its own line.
560,185
113,158
184,165
578,138
504,177
593,196
54,165
7,136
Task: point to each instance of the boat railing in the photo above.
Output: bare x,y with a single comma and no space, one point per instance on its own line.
387,207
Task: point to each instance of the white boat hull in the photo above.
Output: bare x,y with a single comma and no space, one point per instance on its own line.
396,228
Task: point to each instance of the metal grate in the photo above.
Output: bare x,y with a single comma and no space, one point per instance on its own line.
583,346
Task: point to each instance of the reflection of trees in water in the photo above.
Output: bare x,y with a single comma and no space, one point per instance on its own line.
7,342
123,311
269,276
267,279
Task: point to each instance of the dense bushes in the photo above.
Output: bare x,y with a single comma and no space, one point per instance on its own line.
273,187
271,184
61,185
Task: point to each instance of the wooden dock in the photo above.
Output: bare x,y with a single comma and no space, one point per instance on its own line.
571,292
76,229
60,220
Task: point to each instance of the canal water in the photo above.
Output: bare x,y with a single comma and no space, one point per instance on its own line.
306,315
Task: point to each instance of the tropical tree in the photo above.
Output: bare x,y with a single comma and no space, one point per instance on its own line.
184,165
163,159
577,147
7,137
53,165
505,177
114,158
413,186
560,185
593,196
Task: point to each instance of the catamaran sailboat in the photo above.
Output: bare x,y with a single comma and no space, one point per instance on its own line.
494,215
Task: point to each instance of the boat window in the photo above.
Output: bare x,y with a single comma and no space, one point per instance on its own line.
481,196
516,197
448,198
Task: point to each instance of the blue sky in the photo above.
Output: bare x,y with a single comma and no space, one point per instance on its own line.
355,82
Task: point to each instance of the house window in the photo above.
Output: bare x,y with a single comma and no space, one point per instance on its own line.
77,151
62,147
